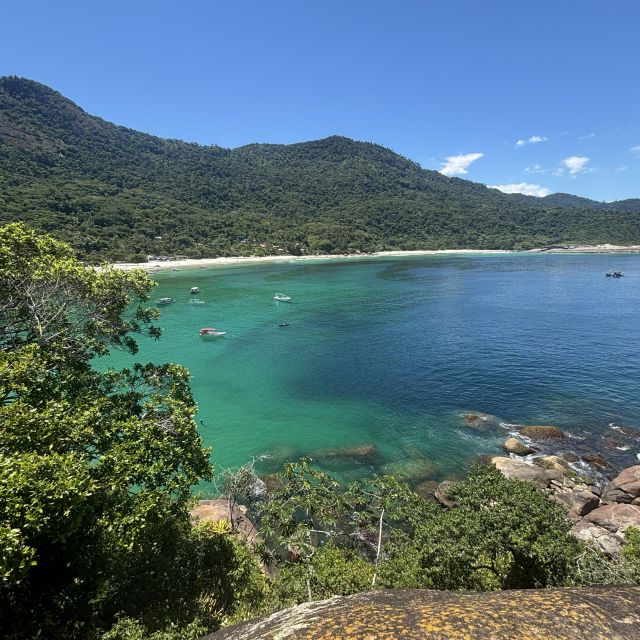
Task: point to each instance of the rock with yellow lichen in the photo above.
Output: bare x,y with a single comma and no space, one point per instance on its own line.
542,433
606,613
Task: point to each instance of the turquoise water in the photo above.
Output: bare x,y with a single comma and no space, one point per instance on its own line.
393,352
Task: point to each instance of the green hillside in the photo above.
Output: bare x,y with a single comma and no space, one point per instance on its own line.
116,193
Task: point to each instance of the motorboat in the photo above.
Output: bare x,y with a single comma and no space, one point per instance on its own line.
164,301
281,297
195,290
283,324
614,274
196,301
207,333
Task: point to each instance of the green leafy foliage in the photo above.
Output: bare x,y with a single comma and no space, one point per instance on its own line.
504,534
114,193
631,553
334,571
329,539
51,300
97,468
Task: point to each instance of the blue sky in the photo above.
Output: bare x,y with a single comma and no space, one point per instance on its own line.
454,85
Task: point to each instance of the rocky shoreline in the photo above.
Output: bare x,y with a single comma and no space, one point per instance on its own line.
601,515
599,457
601,508
601,501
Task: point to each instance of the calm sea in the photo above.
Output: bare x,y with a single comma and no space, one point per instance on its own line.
382,358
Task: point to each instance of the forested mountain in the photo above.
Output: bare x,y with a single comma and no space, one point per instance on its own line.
116,193
576,202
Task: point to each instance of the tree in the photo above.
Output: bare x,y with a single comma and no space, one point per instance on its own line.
48,298
504,534
96,469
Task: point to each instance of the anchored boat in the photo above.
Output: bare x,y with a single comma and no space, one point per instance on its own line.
281,297
164,301
207,333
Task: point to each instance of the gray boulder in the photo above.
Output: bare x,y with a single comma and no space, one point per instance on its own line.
625,488
577,500
607,542
521,470
616,518
515,446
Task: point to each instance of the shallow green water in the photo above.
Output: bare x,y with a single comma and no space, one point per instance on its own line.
392,352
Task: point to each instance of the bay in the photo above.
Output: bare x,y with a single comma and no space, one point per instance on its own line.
383,357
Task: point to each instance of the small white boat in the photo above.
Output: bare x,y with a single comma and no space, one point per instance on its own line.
196,301
164,301
207,333
195,290
281,297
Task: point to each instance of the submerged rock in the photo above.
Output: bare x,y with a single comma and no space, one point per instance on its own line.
515,446
471,418
542,433
629,432
612,443
427,489
480,421
281,454
411,469
347,451
359,453
596,461
625,487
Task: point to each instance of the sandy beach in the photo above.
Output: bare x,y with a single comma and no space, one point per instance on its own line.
204,263
596,248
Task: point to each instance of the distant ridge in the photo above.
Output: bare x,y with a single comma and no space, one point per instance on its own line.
116,193
568,200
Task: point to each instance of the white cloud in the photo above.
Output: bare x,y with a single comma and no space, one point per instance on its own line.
535,168
635,150
530,140
621,168
522,187
574,165
456,165
590,135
